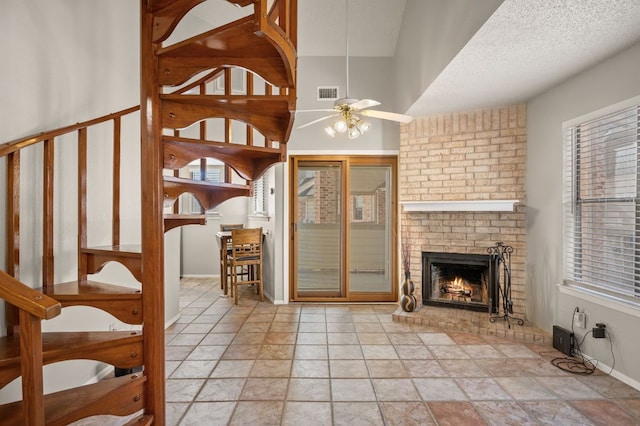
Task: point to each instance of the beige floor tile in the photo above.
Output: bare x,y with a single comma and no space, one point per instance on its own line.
265,413
373,339
310,368
284,327
406,414
342,338
221,390
395,390
249,338
348,368
312,339
439,390
202,352
352,390
212,413
271,368
312,327
386,368
267,389
183,390
305,389
311,352
193,370
356,413
233,368
277,352
307,413
242,352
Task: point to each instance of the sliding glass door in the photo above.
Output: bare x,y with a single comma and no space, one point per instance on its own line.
342,219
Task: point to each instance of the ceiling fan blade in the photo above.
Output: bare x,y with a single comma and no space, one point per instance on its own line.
387,115
317,121
364,103
315,110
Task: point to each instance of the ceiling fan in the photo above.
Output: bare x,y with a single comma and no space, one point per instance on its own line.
348,111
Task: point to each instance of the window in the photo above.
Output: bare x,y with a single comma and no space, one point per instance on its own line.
260,196
212,173
602,207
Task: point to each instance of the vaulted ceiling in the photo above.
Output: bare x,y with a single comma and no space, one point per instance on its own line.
522,49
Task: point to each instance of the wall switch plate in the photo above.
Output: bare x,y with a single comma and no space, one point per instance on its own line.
580,320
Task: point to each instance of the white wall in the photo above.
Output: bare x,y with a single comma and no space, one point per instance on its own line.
609,82
67,61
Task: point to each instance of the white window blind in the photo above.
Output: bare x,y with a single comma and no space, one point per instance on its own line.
260,196
602,210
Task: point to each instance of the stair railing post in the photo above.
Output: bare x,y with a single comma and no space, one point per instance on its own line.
152,218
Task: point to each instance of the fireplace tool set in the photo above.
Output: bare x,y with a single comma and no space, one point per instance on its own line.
501,260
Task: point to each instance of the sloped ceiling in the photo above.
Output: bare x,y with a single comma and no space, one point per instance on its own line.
524,48
527,47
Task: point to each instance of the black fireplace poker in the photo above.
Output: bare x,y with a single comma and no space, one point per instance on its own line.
501,259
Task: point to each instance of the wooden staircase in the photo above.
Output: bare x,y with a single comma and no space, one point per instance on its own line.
177,91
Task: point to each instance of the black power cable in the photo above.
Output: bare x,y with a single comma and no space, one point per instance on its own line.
578,364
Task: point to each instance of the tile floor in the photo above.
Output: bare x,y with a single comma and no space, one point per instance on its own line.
263,364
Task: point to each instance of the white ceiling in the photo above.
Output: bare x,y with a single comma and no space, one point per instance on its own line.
524,48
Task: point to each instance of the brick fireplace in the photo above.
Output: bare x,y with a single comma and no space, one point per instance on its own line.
475,157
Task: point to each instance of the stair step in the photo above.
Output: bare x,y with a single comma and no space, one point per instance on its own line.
271,115
124,303
242,43
167,14
119,348
209,194
250,162
175,220
93,259
120,396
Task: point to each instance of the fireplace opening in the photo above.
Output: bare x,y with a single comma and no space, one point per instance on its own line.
465,281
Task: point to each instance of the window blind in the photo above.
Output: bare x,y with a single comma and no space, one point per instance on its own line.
601,213
260,198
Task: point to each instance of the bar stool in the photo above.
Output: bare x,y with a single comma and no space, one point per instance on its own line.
225,251
246,251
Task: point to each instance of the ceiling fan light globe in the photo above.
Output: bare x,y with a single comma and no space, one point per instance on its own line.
364,126
330,131
340,126
353,132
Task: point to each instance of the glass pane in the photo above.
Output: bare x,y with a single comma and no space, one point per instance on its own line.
370,229
318,220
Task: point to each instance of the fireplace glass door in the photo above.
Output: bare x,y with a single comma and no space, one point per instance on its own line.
466,281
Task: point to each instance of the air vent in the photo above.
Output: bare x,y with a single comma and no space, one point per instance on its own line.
327,93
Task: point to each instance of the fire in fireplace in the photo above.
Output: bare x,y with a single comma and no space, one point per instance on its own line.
465,281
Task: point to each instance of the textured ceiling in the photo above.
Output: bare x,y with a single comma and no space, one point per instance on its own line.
528,46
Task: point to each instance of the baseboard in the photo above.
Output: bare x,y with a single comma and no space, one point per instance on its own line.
200,276
614,373
101,375
171,321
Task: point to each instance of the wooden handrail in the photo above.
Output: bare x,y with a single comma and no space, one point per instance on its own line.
27,299
18,144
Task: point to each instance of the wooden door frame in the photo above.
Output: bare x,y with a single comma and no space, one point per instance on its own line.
347,161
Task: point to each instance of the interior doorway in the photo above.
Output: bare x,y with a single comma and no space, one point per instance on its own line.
343,214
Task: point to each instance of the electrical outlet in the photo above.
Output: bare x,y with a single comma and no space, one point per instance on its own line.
579,320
